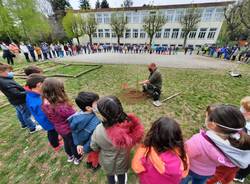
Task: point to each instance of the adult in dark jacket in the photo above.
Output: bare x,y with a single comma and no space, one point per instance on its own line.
32,52
16,96
153,85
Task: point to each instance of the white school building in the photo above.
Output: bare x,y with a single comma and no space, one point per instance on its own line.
207,32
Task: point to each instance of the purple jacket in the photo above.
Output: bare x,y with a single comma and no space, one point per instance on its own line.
58,115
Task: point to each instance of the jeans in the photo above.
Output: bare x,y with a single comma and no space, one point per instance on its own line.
243,173
24,116
121,179
195,178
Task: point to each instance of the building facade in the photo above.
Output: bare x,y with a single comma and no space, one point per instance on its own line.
207,32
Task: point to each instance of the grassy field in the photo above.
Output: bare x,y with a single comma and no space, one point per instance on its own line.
27,158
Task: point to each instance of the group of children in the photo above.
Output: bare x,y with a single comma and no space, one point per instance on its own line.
216,155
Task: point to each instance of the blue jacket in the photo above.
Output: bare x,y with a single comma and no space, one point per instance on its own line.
83,125
34,103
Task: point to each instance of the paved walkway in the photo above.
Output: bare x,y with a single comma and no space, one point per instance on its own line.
173,61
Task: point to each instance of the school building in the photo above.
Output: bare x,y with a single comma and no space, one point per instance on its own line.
207,32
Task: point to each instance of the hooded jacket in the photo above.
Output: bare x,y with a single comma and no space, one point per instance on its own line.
83,125
115,143
241,158
204,156
34,103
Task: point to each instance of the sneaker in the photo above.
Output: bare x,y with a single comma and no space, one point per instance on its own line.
37,128
157,103
70,159
23,127
77,161
240,180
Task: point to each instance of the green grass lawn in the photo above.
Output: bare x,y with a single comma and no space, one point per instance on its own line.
27,158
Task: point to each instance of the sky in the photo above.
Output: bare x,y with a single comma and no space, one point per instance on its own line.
117,3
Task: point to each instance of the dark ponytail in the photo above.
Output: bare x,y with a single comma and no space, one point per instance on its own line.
231,121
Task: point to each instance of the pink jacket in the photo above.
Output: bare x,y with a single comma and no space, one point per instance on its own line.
58,116
173,171
204,156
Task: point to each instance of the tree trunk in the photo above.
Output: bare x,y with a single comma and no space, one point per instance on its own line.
150,44
78,41
90,39
118,40
185,40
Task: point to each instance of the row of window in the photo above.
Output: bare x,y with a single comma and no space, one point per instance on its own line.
172,15
166,33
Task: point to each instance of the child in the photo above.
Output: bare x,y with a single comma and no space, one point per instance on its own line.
162,158
16,95
58,108
32,69
83,124
245,109
224,144
115,137
38,52
34,103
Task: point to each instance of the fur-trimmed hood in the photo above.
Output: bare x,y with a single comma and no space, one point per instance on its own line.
127,133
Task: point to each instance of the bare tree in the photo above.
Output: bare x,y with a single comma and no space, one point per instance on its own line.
118,24
152,24
89,26
189,22
127,3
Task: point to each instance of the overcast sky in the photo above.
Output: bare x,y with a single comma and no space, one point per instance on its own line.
117,3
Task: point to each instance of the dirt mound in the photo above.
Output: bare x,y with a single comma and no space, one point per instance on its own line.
132,96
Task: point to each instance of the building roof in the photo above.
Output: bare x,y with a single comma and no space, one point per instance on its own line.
172,6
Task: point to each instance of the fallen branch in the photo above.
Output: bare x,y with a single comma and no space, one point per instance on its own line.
170,97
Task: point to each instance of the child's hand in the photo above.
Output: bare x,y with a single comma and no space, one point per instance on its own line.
80,149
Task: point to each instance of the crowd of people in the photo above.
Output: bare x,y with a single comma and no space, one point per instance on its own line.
228,53
218,154
44,51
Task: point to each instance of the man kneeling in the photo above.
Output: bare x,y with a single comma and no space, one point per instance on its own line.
153,85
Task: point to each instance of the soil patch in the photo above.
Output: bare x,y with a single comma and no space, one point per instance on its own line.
132,96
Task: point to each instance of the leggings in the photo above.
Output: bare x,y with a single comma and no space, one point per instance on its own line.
53,138
69,146
121,179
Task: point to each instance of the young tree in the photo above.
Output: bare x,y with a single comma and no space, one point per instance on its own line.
244,12
118,24
84,4
97,4
104,4
127,3
89,26
72,25
189,22
152,24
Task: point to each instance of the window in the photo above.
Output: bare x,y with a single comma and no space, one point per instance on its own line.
106,18
142,34
170,15
208,14
107,33
99,18
136,18
128,33
143,15
95,34
182,34
219,14
166,33
135,33
192,34
211,33
129,18
113,35
179,14
158,34
100,33
175,33
202,33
